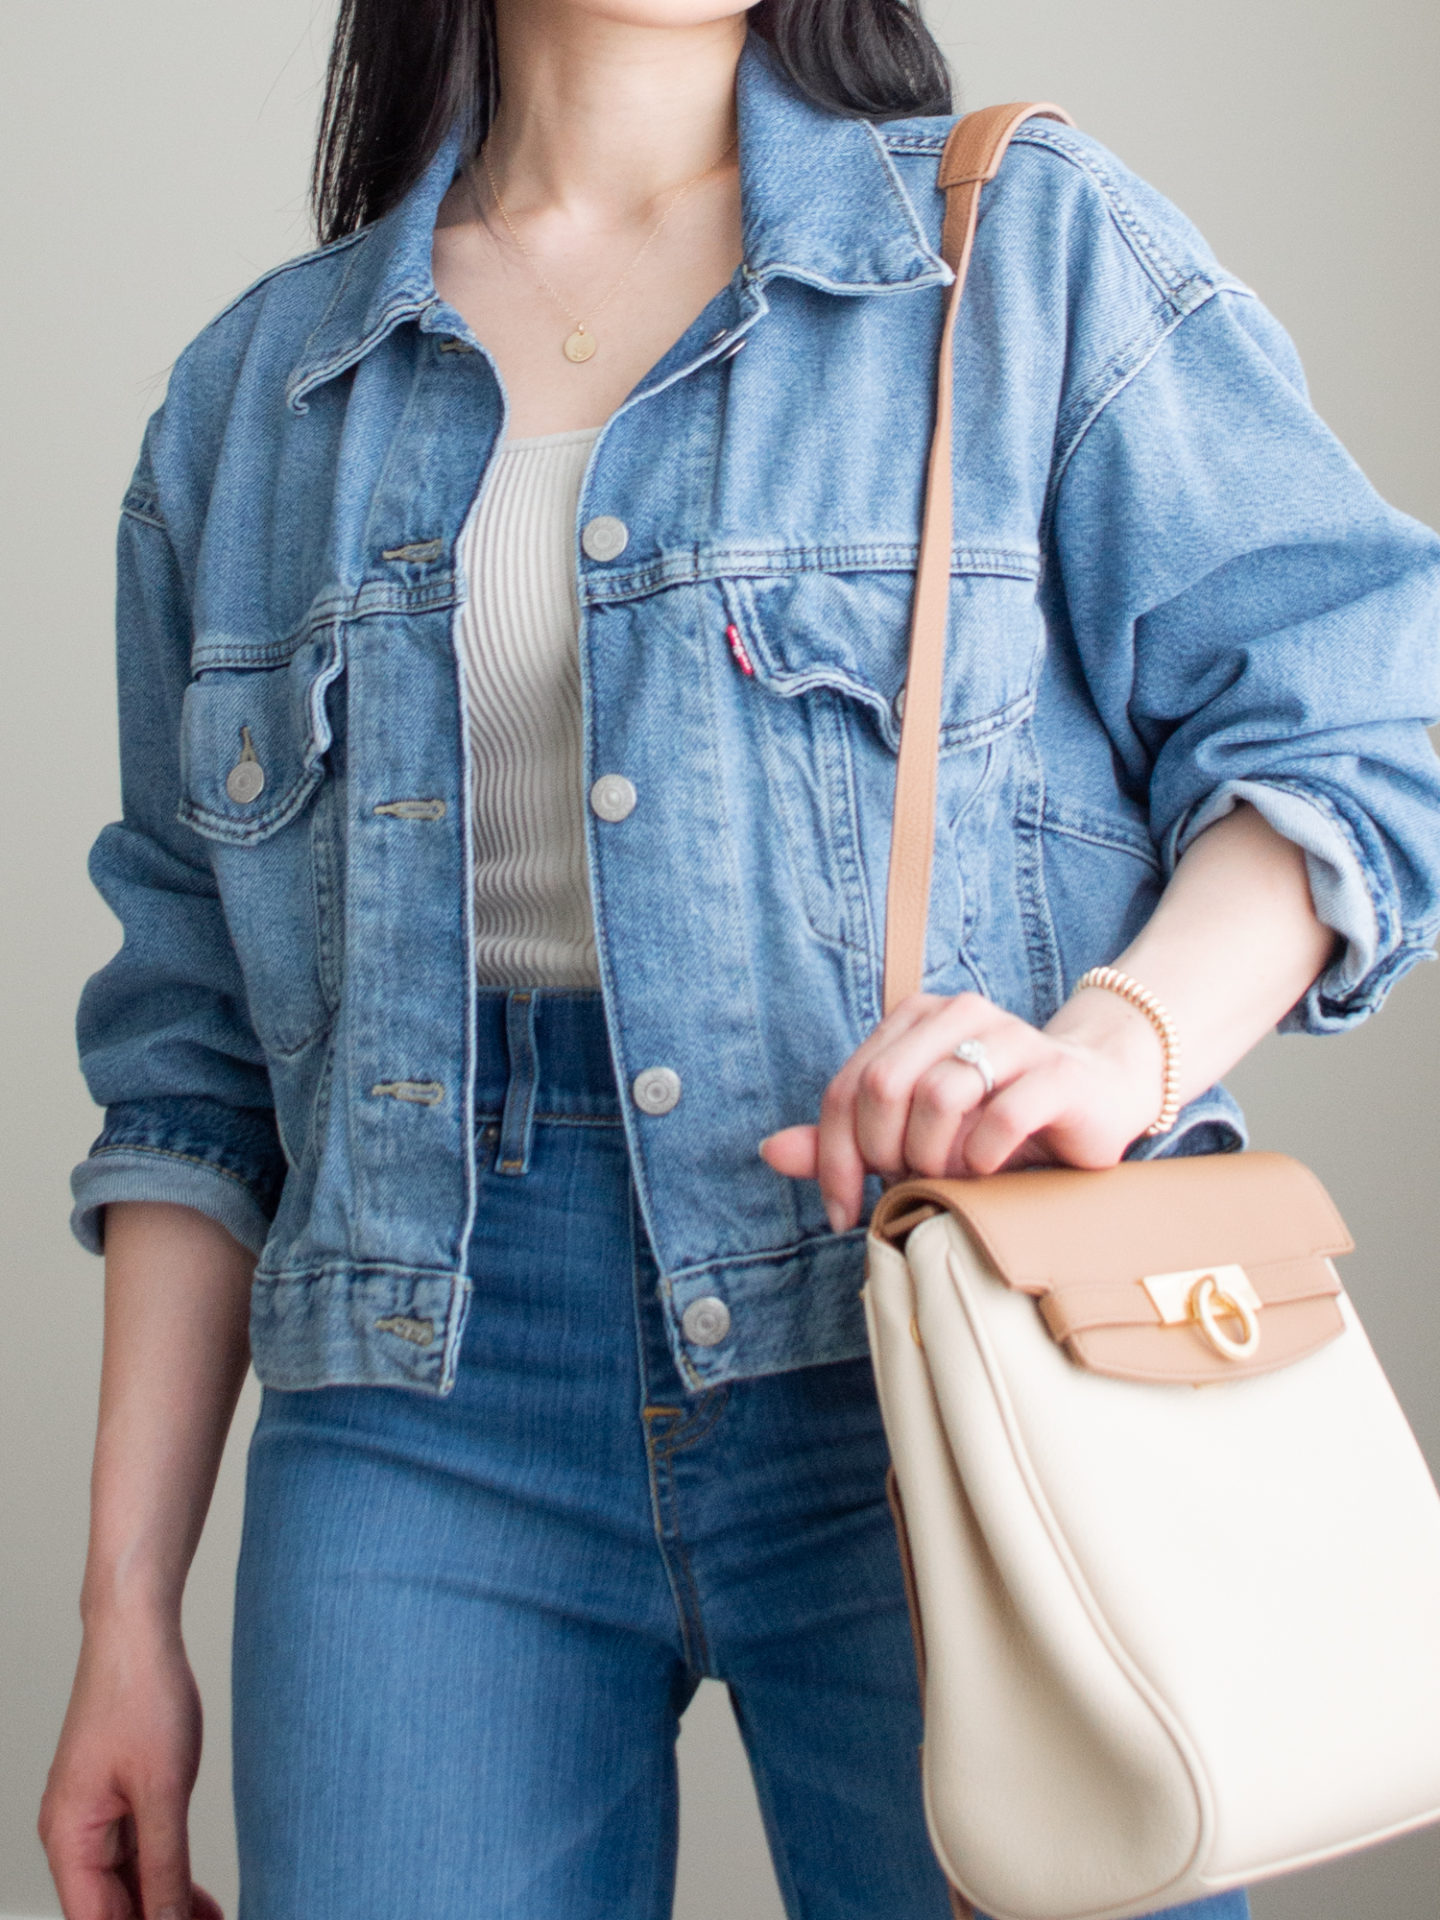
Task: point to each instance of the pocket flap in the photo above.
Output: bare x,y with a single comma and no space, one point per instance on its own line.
850,632
253,742
1187,1269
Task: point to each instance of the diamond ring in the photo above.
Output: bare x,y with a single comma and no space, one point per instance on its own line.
973,1053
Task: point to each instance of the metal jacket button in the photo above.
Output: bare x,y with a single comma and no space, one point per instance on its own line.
604,537
246,779
613,796
706,1321
656,1089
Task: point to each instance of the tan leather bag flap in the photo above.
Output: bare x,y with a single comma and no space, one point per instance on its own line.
1190,1269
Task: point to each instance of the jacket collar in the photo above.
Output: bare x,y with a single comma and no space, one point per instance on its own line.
821,202
821,198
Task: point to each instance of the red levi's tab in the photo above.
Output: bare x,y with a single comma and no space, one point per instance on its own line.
737,647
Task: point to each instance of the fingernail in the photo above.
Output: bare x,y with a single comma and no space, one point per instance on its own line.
835,1214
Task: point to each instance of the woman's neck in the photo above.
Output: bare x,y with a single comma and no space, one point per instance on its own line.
599,117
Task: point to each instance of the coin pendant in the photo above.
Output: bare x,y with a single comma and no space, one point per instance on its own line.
579,346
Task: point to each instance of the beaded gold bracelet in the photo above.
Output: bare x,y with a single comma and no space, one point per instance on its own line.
1144,1001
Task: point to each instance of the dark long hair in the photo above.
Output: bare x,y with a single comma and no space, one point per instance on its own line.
401,70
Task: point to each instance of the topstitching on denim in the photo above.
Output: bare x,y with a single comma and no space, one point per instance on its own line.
1177,617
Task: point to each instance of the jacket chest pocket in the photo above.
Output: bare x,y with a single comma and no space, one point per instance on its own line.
830,651
258,783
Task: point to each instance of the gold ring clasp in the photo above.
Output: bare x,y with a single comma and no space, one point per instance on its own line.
1203,1297
1210,1304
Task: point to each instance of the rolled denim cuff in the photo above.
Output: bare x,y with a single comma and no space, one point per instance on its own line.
225,1162
143,1173
1357,980
1211,1123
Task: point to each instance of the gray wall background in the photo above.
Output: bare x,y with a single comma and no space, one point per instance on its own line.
156,162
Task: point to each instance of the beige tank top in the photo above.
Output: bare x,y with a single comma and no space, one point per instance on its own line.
518,634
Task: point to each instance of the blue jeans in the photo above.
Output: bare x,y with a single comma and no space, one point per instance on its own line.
466,1628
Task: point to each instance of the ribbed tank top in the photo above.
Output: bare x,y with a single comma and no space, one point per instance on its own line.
519,634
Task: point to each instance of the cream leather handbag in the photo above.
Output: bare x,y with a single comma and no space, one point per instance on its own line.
1176,1592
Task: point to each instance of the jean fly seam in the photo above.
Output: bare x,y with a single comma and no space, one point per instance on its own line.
673,1556
664,1516
691,1427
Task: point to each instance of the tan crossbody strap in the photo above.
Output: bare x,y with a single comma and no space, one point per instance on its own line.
972,157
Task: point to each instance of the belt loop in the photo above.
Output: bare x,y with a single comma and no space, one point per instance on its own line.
517,1123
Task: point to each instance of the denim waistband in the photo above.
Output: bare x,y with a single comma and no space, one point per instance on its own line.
542,1053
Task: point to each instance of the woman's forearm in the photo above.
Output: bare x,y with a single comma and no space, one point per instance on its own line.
1232,945
177,1291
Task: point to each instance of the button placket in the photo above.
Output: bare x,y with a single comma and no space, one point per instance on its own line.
656,1090
613,797
605,537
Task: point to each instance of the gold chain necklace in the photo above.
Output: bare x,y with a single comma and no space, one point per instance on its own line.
580,345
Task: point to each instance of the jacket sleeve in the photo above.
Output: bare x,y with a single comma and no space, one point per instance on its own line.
166,1044
1257,624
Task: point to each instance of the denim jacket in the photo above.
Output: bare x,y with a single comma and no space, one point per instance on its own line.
1171,589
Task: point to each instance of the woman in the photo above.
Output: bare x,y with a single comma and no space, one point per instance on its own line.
513,608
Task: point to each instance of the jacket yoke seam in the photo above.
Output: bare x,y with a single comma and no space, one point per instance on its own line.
1123,367
1182,290
1173,280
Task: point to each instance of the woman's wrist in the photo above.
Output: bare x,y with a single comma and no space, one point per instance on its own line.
177,1291
1104,1023
134,1597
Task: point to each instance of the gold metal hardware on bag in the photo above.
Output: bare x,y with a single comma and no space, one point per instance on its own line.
1209,1304
1205,1296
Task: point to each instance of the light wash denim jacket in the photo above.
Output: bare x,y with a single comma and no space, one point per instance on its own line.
1170,588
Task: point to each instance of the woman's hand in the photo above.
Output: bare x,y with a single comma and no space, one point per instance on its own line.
113,1816
1231,946
1079,1092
